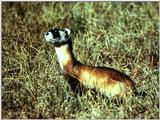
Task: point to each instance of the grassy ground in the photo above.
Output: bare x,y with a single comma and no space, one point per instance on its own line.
119,35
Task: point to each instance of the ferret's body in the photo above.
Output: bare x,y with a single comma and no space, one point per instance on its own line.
106,80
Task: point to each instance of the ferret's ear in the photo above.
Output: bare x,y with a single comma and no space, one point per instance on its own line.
68,31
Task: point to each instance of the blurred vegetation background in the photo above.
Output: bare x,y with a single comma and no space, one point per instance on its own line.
122,35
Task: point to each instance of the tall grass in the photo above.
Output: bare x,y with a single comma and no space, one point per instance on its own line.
114,34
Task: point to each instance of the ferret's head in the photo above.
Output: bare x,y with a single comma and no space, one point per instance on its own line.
58,36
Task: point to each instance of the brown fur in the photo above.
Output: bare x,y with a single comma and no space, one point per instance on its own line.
101,78
106,80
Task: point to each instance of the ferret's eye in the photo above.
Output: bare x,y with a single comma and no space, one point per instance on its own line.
47,33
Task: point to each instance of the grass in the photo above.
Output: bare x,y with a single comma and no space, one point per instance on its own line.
122,35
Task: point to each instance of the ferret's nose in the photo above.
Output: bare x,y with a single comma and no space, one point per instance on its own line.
47,33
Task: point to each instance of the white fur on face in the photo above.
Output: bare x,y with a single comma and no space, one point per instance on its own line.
62,35
49,37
